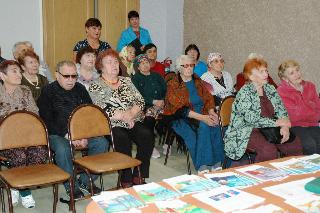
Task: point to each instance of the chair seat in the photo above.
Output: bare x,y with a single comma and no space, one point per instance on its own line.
34,175
106,162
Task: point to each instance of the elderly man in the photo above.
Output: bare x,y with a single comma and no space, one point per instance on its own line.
19,48
56,103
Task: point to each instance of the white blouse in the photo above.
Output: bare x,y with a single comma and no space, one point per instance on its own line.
219,90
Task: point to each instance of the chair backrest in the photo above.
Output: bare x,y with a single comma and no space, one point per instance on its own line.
225,110
22,129
87,121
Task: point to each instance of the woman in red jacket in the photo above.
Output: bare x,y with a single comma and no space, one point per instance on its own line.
303,104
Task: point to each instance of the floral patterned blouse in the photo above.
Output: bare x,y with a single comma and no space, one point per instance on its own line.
123,98
20,99
81,44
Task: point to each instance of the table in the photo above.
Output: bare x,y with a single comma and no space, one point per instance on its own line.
92,207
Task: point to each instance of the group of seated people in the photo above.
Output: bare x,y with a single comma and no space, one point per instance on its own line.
135,93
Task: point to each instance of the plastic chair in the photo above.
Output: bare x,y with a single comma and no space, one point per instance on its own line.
88,121
32,132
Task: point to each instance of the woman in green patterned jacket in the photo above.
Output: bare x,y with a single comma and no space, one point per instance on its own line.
258,105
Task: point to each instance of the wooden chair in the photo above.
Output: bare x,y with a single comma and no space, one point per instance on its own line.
88,121
224,115
22,129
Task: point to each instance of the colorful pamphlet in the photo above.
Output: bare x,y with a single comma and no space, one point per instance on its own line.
178,206
315,158
297,166
263,173
187,184
228,199
232,179
152,192
117,201
309,205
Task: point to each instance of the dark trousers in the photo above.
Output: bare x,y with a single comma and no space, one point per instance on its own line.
310,138
143,138
268,151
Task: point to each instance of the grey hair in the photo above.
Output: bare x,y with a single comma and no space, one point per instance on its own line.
65,63
255,55
28,43
180,60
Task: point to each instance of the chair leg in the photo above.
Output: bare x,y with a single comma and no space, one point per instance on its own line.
139,175
119,179
9,199
55,197
169,140
3,205
188,163
72,202
101,182
225,162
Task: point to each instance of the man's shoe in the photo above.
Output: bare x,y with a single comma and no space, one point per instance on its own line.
28,202
78,194
155,153
15,196
86,189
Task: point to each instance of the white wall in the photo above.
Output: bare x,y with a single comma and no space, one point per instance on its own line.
164,20
20,21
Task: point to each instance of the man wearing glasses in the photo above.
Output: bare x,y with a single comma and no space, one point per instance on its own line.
56,103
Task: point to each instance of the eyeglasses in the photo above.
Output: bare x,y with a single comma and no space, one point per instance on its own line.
187,65
68,76
217,60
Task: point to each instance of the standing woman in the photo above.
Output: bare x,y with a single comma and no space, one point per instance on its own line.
220,80
258,105
86,59
29,62
153,89
188,98
124,105
193,51
302,101
93,31
14,96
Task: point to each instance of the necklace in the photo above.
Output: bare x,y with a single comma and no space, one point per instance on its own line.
35,84
109,82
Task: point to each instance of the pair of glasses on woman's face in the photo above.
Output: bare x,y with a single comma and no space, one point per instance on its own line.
187,65
75,76
217,61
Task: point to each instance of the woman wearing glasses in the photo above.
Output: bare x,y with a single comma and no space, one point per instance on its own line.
220,80
189,101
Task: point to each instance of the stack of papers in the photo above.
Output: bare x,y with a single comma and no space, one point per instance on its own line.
297,166
178,206
228,199
232,179
152,192
263,173
295,195
187,184
117,201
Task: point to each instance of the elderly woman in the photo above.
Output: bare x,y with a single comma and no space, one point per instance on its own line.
220,80
14,96
240,82
93,31
153,89
258,105
303,104
127,55
193,51
29,62
188,99
124,105
86,59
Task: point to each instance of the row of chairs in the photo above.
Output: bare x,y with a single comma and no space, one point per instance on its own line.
23,129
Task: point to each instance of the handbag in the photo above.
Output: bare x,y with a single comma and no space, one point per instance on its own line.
272,135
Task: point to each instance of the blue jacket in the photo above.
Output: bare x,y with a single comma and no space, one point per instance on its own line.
127,36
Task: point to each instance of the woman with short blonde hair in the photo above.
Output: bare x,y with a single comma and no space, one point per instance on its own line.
301,99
